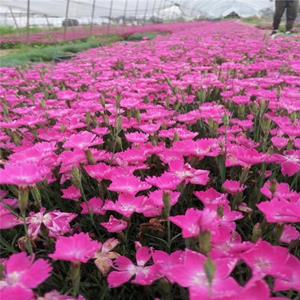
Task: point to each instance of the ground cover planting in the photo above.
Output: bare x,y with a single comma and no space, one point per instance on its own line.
57,35
162,169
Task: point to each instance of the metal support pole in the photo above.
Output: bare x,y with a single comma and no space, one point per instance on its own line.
28,21
153,8
146,11
110,14
66,18
125,12
92,17
13,17
136,9
47,21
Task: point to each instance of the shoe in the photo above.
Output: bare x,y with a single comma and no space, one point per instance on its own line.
274,32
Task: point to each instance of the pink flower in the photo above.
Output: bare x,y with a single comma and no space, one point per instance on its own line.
292,280
279,190
290,163
7,218
189,223
21,275
144,275
77,248
199,148
23,174
104,258
187,174
204,279
156,198
167,181
233,187
100,171
16,293
66,95
94,206
244,157
212,198
253,290
55,295
72,193
279,142
280,211
128,185
266,259
165,262
229,244
137,137
126,205
289,234
131,157
114,224
58,223
83,140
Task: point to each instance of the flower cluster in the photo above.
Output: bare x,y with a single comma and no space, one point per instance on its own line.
172,163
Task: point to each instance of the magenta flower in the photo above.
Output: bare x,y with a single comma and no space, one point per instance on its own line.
189,223
83,140
187,174
66,95
289,234
137,137
280,211
99,171
253,290
21,275
126,205
166,182
72,193
200,148
57,223
244,157
55,295
128,185
292,280
266,259
193,273
16,293
290,163
212,198
233,187
279,142
23,174
114,224
77,248
279,190
144,275
165,262
93,206
7,218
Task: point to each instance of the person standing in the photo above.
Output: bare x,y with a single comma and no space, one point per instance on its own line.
291,8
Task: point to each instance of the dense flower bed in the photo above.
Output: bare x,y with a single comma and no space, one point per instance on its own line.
165,169
49,37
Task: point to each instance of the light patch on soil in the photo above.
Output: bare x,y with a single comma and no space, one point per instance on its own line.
5,52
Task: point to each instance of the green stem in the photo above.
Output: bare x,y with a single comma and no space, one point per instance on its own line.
23,201
166,214
75,277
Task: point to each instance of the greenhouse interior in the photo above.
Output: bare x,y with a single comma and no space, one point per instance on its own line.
149,149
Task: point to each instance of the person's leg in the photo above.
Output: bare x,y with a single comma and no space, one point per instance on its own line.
280,6
291,14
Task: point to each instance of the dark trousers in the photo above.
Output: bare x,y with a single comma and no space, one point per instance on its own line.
291,7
